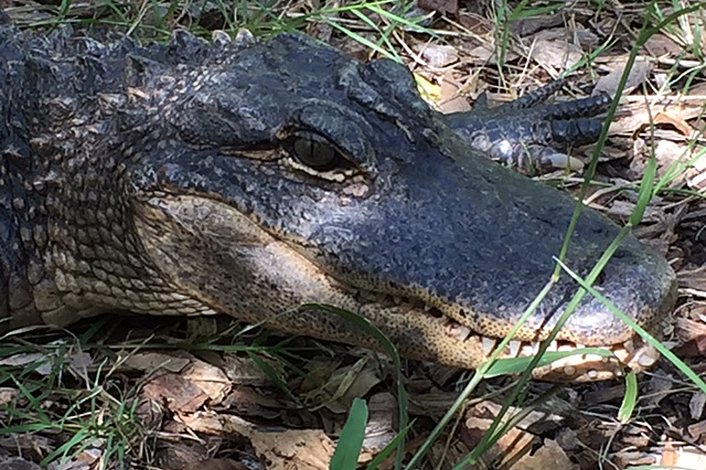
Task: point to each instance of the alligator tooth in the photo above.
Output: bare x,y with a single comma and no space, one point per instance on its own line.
629,345
427,307
462,332
647,356
528,350
591,358
514,348
621,354
645,360
488,345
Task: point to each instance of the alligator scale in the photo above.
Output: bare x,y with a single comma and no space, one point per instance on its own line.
253,178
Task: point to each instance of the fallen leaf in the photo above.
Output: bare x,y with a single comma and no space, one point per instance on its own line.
211,379
660,45
696,405
450,99
380,430
514,444
301,449
437,55
79,363
697,429
441,6
549,456
679,124
7,394
551,48
152,361
608,84
40,363
244,371
216,464
176,392
637,112
17,463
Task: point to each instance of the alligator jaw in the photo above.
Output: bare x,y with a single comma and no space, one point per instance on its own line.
250,257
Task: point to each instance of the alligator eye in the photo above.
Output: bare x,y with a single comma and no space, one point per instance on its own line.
315,152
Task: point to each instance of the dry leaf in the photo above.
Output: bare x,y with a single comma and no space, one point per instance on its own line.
441,6
679,124
551,48
40,363
512,445
608,84
549,456
380,430
660,45
210,379
244,371
17,463
305,449
437,55
696,405
639,111
176,392
151,361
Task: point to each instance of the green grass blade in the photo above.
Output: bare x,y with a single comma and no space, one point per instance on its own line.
630,398
345,457
648,338
517,365
386,345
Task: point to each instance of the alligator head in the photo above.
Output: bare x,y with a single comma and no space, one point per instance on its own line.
254,179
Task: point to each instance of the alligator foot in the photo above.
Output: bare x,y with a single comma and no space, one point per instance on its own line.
530,134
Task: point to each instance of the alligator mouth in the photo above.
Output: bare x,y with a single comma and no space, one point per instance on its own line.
265,278
633,354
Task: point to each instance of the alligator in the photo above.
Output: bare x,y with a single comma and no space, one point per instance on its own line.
263,180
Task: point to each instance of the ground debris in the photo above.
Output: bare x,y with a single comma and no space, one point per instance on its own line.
307,449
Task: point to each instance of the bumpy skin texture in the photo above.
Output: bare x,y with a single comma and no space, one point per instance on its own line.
159,180
528,133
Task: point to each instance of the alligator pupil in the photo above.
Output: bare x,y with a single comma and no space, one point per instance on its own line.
313,151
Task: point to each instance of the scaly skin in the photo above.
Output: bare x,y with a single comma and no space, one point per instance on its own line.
252,179
529,134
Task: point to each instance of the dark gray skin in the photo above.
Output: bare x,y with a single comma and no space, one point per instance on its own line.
530,134
249,179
